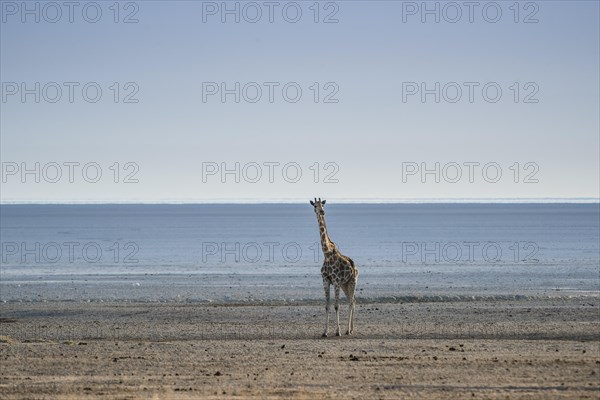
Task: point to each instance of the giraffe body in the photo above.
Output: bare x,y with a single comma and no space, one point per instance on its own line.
338,271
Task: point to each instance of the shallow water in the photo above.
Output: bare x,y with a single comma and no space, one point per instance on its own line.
264,252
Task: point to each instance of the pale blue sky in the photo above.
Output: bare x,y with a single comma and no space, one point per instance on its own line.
368,134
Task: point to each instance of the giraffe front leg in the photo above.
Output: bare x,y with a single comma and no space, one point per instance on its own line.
351,317
326,285
337,311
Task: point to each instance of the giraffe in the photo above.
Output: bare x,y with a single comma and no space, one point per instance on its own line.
338,270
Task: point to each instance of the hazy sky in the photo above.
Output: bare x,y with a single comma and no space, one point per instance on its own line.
366,119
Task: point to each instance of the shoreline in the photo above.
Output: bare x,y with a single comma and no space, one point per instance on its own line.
302,286
398,300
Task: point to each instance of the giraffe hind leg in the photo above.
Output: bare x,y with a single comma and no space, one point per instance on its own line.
349,289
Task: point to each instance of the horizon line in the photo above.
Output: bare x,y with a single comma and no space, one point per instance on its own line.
482,200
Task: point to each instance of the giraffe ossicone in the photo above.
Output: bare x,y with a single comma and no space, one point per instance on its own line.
338,270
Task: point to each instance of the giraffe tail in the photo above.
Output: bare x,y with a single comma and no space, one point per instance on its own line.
352,263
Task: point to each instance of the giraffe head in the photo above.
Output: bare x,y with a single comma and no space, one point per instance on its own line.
318,206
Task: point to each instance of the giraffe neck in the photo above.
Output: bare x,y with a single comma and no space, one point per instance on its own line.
326,243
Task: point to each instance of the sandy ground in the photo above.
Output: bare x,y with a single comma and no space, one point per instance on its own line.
544,348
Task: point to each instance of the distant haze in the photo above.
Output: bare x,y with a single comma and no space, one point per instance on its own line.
390,108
